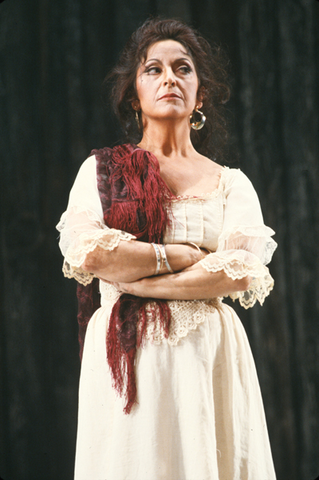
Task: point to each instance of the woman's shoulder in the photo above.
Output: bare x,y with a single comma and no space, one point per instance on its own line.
233,175
86,175
236,185
88,164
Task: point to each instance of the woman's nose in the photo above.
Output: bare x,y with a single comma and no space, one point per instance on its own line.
170,82
169,79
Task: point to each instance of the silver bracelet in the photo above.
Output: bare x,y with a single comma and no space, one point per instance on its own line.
158,258
164,257
198,248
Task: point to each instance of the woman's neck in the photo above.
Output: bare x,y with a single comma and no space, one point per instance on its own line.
167,139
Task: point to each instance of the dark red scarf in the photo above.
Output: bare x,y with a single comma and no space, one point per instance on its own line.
134,199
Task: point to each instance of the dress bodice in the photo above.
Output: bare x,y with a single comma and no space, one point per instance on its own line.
228,221
197,219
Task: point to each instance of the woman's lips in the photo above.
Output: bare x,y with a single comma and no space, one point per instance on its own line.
169,95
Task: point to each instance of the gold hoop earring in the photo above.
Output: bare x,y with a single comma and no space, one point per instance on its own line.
197,125
137,118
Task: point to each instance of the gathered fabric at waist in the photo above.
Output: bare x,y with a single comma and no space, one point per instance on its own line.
186,315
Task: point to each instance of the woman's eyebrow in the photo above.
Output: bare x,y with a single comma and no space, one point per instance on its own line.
183,59
176,59
152,60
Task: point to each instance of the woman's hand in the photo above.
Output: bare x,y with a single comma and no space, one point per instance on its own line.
193,283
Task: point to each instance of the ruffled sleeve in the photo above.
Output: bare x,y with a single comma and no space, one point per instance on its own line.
245,245
82,227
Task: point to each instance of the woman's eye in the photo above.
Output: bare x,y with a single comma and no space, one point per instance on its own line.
152,70
185,69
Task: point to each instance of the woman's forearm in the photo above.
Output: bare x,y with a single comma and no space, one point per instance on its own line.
134,260
194,283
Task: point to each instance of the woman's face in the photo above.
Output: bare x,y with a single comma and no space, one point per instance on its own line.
166,83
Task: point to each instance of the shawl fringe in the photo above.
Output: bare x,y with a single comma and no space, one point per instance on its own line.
134,199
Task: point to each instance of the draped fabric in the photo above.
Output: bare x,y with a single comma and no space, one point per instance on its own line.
53,58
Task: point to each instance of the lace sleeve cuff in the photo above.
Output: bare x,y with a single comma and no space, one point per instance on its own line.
108,239
254,238
238,264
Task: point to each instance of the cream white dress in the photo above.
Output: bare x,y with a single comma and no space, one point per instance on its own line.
199,414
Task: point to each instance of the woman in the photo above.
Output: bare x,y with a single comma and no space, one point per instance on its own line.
168,386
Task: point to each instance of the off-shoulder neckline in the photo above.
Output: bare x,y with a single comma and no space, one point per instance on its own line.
212,194
202,196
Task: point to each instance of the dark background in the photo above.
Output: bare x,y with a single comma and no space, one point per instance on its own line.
53,58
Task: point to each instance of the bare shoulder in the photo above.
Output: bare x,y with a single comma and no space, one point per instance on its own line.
203,176
210,165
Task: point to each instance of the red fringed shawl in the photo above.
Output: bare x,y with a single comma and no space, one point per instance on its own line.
134,199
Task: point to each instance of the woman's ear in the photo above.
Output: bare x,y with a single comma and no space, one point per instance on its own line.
136,105
200,96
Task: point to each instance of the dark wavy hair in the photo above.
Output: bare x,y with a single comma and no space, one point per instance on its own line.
210,64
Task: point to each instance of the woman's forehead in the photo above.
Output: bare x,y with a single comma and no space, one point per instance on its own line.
163,48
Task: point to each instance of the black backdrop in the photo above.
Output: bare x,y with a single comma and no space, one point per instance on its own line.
54,56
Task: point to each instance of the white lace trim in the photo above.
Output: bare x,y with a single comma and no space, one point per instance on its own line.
239,264
108,239
259,289
77,273
186,315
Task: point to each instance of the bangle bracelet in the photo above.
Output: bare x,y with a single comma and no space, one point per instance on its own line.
164,257
199,249
196,246
158,258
